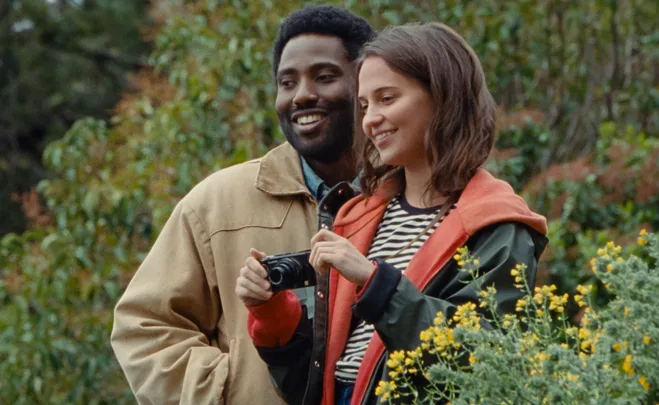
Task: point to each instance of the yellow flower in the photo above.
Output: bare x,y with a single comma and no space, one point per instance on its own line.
476,262
585,289
643,232
644,382
472,359
617,347
557,303
609,268
457,257
571,377
385,389
627,365
583,357
646,339
641,241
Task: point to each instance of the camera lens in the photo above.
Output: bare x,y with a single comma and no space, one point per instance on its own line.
285,273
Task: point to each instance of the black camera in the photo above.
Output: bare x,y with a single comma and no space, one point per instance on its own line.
290,270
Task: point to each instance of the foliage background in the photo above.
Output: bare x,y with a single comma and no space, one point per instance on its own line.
578,92
60,60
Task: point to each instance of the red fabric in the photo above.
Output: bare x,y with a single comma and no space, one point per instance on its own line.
360,290
273,323
485,201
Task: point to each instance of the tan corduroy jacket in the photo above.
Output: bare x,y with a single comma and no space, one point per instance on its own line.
180,331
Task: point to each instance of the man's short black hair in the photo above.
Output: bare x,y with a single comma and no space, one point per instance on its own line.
353,30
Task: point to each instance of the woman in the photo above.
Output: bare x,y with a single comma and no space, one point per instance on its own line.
425,127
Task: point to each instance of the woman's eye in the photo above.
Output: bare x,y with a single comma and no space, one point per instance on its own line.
387,98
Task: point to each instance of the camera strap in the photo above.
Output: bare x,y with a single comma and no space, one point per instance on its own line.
452,199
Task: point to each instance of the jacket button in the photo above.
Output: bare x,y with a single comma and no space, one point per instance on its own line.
316,364
324,226
320,295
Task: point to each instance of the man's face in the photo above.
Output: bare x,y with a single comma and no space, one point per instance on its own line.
314,96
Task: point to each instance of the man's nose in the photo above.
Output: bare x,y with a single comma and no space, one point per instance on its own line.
305,93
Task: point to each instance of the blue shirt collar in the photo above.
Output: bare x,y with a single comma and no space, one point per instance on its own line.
315,184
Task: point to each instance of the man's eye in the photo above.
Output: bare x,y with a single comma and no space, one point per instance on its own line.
325,78
286,83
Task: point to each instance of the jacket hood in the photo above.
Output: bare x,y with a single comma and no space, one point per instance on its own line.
485,201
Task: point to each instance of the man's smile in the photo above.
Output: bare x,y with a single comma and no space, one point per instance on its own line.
308,121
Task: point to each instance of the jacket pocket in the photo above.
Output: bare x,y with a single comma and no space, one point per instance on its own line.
248,381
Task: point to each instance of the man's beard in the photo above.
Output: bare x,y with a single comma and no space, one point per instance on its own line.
337,139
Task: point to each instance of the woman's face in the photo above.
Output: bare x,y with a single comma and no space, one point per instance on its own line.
396,114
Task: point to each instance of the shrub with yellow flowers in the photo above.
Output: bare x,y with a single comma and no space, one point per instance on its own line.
536,355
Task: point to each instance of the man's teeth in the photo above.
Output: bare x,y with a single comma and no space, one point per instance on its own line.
309,119
382,136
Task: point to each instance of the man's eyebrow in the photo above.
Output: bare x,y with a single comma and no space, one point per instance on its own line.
286,71
314,68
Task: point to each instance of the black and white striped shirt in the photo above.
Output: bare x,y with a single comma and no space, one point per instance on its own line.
401,224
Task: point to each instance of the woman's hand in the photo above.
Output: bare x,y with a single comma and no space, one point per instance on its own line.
329,249
252,286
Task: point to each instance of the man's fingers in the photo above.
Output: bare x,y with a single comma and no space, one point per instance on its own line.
255,277
254,265
257,254
246,288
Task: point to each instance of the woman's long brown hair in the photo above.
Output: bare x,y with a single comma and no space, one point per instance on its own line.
461,132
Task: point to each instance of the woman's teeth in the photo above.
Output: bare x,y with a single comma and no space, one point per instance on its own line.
382,136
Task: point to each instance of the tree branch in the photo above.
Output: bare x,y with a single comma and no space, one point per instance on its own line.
102,56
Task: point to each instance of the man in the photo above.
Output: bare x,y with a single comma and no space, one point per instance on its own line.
180,332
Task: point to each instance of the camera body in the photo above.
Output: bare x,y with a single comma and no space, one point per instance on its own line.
292,270
289,270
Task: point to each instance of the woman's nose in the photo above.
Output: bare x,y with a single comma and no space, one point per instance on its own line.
371,119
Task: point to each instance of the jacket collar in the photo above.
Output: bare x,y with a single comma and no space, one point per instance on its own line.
486,200
280,172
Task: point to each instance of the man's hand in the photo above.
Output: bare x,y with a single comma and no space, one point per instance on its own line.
253,287
329,249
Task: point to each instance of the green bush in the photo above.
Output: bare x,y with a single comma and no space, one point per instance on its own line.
207,103
536,356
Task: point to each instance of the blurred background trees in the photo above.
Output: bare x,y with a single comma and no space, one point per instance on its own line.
132,103
59,61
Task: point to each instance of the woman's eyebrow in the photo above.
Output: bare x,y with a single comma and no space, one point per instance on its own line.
380,90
